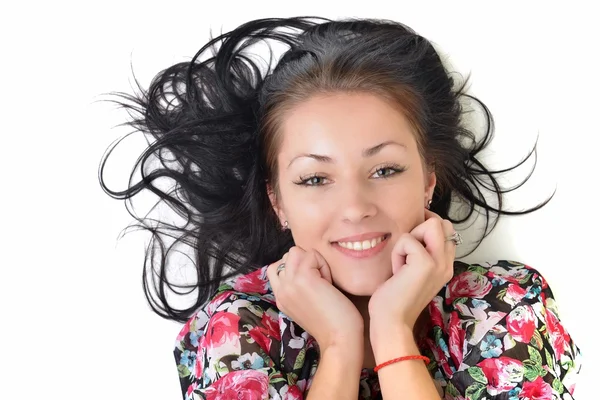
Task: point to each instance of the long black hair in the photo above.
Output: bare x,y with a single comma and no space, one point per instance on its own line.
213,129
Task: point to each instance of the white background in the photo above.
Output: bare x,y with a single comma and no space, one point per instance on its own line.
74,320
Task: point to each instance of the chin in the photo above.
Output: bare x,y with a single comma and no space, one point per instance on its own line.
359,287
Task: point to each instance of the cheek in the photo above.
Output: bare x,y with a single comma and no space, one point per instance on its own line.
308,219
405,207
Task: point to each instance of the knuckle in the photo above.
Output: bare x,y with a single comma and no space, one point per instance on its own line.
294,253
436,219
438,223
406,236
448,225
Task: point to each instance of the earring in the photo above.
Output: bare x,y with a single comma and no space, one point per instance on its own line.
428,206
285,226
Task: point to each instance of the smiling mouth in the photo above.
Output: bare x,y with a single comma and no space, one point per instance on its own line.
364,244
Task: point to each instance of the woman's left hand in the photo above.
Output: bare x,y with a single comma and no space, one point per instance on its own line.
422,263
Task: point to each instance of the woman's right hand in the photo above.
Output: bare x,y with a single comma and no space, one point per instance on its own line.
304,292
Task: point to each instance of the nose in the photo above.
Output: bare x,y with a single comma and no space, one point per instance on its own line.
357,204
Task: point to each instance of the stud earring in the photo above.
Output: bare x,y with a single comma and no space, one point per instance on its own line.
285,226
428,206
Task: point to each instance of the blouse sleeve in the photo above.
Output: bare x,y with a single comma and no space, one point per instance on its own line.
231,349
515,346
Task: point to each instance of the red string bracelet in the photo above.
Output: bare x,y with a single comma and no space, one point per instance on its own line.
395,360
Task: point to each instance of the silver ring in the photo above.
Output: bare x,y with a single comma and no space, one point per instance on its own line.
280,268
456,238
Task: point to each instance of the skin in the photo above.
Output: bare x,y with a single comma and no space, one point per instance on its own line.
348,165
352,198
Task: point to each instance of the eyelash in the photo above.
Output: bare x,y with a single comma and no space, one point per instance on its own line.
395,168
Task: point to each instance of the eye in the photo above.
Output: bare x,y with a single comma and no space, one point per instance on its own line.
312,180
387,171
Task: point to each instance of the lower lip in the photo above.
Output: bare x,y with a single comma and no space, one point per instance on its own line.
362,253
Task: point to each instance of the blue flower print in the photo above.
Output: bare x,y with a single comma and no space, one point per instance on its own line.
194,336
490,347
514,394
533,292
188,358
480,304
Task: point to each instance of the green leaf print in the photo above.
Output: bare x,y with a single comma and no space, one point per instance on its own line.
558,386
223,288
501,294
549,360
292,378
478,269
535,355
475,391
531,372
460,300
566,362
221,368
183,371
300,359
536,340
275,376
277,380
477,374
525,278
437,333
452,390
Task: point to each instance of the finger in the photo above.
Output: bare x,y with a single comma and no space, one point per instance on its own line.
447,226
430,214
406,250
312,262
273,276
431,234
450,244
323,267
295,257
449,249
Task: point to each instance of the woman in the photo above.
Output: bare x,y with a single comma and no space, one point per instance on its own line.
317,197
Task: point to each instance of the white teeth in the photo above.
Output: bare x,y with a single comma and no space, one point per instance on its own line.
364,245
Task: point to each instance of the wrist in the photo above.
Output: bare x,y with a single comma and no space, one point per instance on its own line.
383,329
346,339
348,354
392,342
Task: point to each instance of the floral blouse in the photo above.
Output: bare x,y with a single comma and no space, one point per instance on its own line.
493,333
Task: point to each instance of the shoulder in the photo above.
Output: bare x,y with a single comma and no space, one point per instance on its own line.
246,298
240,318
471,304
239,343
482,295
508,281
497,318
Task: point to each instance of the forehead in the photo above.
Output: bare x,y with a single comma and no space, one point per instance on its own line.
344,122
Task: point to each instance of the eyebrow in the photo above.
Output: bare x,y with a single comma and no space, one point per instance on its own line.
369,152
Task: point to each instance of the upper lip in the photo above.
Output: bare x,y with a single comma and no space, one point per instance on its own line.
361,237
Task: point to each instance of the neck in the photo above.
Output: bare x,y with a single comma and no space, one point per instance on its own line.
362,305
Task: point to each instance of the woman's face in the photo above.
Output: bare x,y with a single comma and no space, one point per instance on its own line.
351,181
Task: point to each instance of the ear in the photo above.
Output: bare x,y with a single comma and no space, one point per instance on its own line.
275,204
430,182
